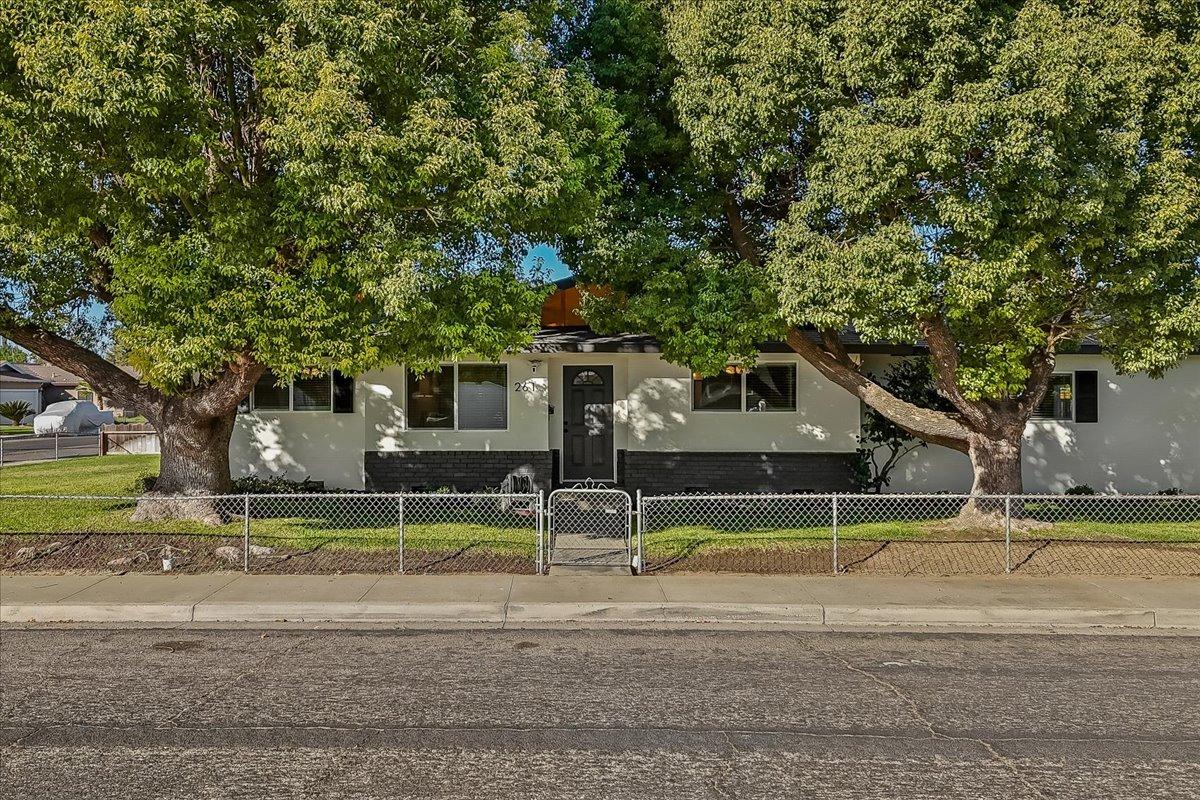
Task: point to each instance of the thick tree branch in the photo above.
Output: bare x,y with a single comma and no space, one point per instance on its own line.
222,394
943,351
101,274
106,378
745,246
924,423
1040,370
833,345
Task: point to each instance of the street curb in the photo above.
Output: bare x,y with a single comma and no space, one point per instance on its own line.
612,614
1179,618
691,613
476,613
948,615
96,612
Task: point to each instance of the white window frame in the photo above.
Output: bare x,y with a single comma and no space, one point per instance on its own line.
457,427
745,395
1070,376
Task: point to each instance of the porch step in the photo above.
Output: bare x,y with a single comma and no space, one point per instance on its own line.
593,556
588,571
574,549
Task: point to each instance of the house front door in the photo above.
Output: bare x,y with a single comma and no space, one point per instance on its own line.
588,423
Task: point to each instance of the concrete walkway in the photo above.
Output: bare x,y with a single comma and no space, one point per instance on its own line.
610,601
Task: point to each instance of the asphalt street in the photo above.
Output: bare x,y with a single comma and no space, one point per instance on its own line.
594,714
18,449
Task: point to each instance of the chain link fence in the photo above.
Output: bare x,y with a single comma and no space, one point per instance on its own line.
25,448
940,534
274,533
1104,534
913,534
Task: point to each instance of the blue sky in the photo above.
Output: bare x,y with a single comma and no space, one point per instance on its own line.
551,260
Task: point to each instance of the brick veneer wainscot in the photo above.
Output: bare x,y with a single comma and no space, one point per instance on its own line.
657,472
459,470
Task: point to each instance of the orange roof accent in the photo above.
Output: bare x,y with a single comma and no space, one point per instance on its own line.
561,309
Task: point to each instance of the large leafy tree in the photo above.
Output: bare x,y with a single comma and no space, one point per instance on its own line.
289,185
996,180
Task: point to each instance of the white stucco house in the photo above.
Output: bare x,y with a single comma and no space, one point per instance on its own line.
576,405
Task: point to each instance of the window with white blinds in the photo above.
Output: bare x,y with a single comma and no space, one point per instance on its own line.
482,397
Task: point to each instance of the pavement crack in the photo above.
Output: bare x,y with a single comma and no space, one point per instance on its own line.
720,781
44,688
915,709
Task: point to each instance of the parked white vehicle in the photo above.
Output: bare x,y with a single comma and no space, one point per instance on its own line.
71,416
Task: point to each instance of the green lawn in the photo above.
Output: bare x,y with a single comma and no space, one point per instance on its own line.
88,475
330,522
8,430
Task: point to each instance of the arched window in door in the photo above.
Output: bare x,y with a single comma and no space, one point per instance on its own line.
588,378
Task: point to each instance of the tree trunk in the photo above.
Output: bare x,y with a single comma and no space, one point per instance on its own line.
194,466
996,461
195,453
989,432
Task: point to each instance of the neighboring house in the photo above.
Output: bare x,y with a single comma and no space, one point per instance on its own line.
576,405
14,386
43,384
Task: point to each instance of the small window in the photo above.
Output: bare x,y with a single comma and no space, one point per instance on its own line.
588,378
343,393
1087,395
482,397
312,394
270,394
1057,403
771,387
431,398
717,392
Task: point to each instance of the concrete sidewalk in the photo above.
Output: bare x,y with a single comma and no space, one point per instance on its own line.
569,601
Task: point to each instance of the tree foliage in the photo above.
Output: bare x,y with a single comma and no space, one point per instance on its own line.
661,242
994,179
11,352
333,184
234,186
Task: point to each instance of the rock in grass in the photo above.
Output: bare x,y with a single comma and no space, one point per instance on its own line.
124,561
230,554
26,552
260,550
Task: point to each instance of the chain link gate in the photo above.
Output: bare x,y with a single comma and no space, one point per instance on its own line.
590,527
